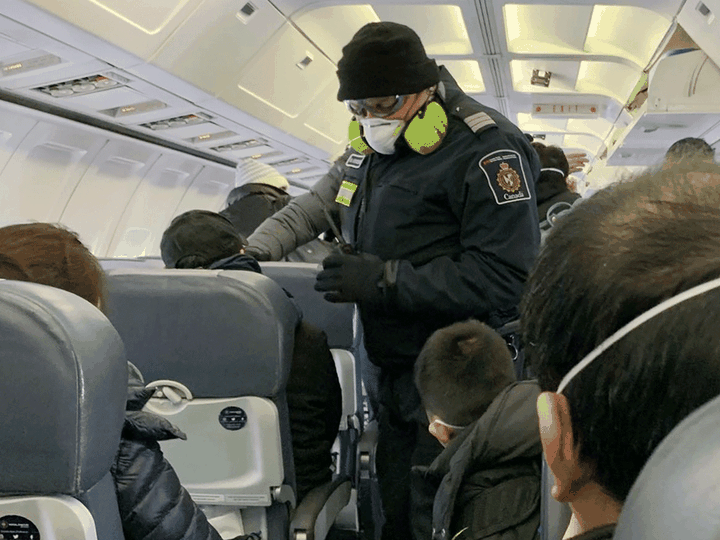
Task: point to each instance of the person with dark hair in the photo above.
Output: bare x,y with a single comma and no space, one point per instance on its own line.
435,197
552,187
203,239
689,148
487,423
151,501
619,363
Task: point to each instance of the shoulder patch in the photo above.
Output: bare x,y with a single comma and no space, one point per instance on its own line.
506,177
479,122
355,161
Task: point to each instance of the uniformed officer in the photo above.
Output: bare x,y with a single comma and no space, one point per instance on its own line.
436,200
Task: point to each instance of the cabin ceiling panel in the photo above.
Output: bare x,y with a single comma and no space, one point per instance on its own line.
331,27
627,32
211,47
468,75
441,28
138,27
563,80
546,29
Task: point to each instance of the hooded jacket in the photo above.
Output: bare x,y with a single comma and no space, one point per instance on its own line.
153,505
486,483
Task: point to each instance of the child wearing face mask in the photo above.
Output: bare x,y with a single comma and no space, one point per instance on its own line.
486,483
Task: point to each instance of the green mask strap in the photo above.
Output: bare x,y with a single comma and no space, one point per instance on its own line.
427,129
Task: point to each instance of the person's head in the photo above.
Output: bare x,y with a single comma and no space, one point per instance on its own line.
50,255
198,238
251,171
553,162
690,148
385,79
621,252
460,370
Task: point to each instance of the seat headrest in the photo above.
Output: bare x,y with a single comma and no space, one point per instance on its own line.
62,391
336,320
221,333
677,494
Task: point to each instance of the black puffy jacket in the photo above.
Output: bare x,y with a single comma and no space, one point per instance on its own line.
153,504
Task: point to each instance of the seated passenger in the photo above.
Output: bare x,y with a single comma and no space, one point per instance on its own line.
552,186
202,239
621,253
689,149
151,500
261,191
486,483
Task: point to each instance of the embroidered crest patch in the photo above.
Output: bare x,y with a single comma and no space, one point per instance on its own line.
355,161
505,175
345,193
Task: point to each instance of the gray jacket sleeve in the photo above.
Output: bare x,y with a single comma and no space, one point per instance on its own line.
302,220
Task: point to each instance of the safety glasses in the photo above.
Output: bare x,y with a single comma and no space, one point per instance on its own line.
379,107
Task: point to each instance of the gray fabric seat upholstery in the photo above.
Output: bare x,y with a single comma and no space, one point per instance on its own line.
62,402
677,494
218,346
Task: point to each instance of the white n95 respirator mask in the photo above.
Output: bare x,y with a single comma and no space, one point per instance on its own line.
381,134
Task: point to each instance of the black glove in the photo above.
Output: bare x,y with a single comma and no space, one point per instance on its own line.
351,278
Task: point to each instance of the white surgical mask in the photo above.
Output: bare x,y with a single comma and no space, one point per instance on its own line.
381,134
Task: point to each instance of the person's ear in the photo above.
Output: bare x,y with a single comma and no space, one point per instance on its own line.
556,436
441,432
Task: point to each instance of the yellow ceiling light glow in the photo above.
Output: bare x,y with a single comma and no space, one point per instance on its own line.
468,75
331,27
441,28
607,79
630,32
546,29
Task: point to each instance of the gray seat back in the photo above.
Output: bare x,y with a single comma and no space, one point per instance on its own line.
338,321
677,494
218,346
62,401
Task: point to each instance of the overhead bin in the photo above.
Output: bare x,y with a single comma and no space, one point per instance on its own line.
281,82
215,43
701,20
682,102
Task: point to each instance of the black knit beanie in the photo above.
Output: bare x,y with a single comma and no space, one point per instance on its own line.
384,59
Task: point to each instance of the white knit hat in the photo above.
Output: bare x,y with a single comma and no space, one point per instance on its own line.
251,171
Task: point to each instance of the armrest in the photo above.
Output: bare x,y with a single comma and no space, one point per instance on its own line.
317,511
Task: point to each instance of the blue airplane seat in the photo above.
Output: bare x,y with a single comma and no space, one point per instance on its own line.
217,346
338,321
62,402
677,494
